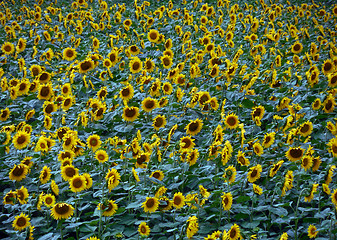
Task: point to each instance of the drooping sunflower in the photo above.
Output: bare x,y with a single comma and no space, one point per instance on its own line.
130,114
7,48
232,121
94,142
49,200
62,211
151,204
257,189
9,198
144,229
45,174
21,45
243,161
332,80
68,172
135,65
194,127
258,149
54,187
109,209
148,104
159,122
22,195
178,200
275,168
18,172
333,146
21,222
101,156
88,179
227,200
294,153
113,178
86,66
254,173
77,183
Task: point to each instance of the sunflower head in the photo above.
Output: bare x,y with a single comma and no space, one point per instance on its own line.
62,211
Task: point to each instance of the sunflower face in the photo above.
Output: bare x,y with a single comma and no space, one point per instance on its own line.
9,198
178,200
126,93
21,222
295,153
21,139
153,36
109,209
49,200
7,48
150,205
68,172
86,66
77,183
4,114
166,61
232,121
45,92
159,122
186,144
135,65
144,229
130,114
254,173
148,104
62,211
94,142
45,174
194,127
234,232
296,48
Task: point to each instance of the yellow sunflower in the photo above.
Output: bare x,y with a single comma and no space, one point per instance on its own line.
49,200
153,36
186,143
101,156
22,195
243,161
148,104
7,48
18,172
149,65
178,200
194,127
234,233
45,174
69,54
21,140
4,114
294,153
62,211
86,66
312,231
227,200
151,204
232,121
45,92
297,47
144,229
94,142
268,139
230,174
68,172
135,65
332,80
77,183
159,122
254,173
9,198
21,222
108,209
113,178
130,114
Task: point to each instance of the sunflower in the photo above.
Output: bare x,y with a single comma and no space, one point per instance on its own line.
157,175
144,229
328,67
192,156
234,233
151,204
68,172
88,179
113,56
257,189
45,174
101,156
9,198
254,173
227,200
94,142
86,66
49,200
49,107
242,159
258,112
329,104
275,168
149,65
294,153
332,80
194,127
178,200
77,183
62,211
230,174
22,195
268,139
333,146
54,187
45,92
159,122
126,93
153,36
4,114
258,149
21,222
21,139
21,45
135,65
167,88
7,48
232,121
297,47
134,50
167,61
130,114
305,129
186,143
108,209
312,231
310,197
316,104
113,178
18,172
148,104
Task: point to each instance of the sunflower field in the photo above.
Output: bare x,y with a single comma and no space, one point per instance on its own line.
168,119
